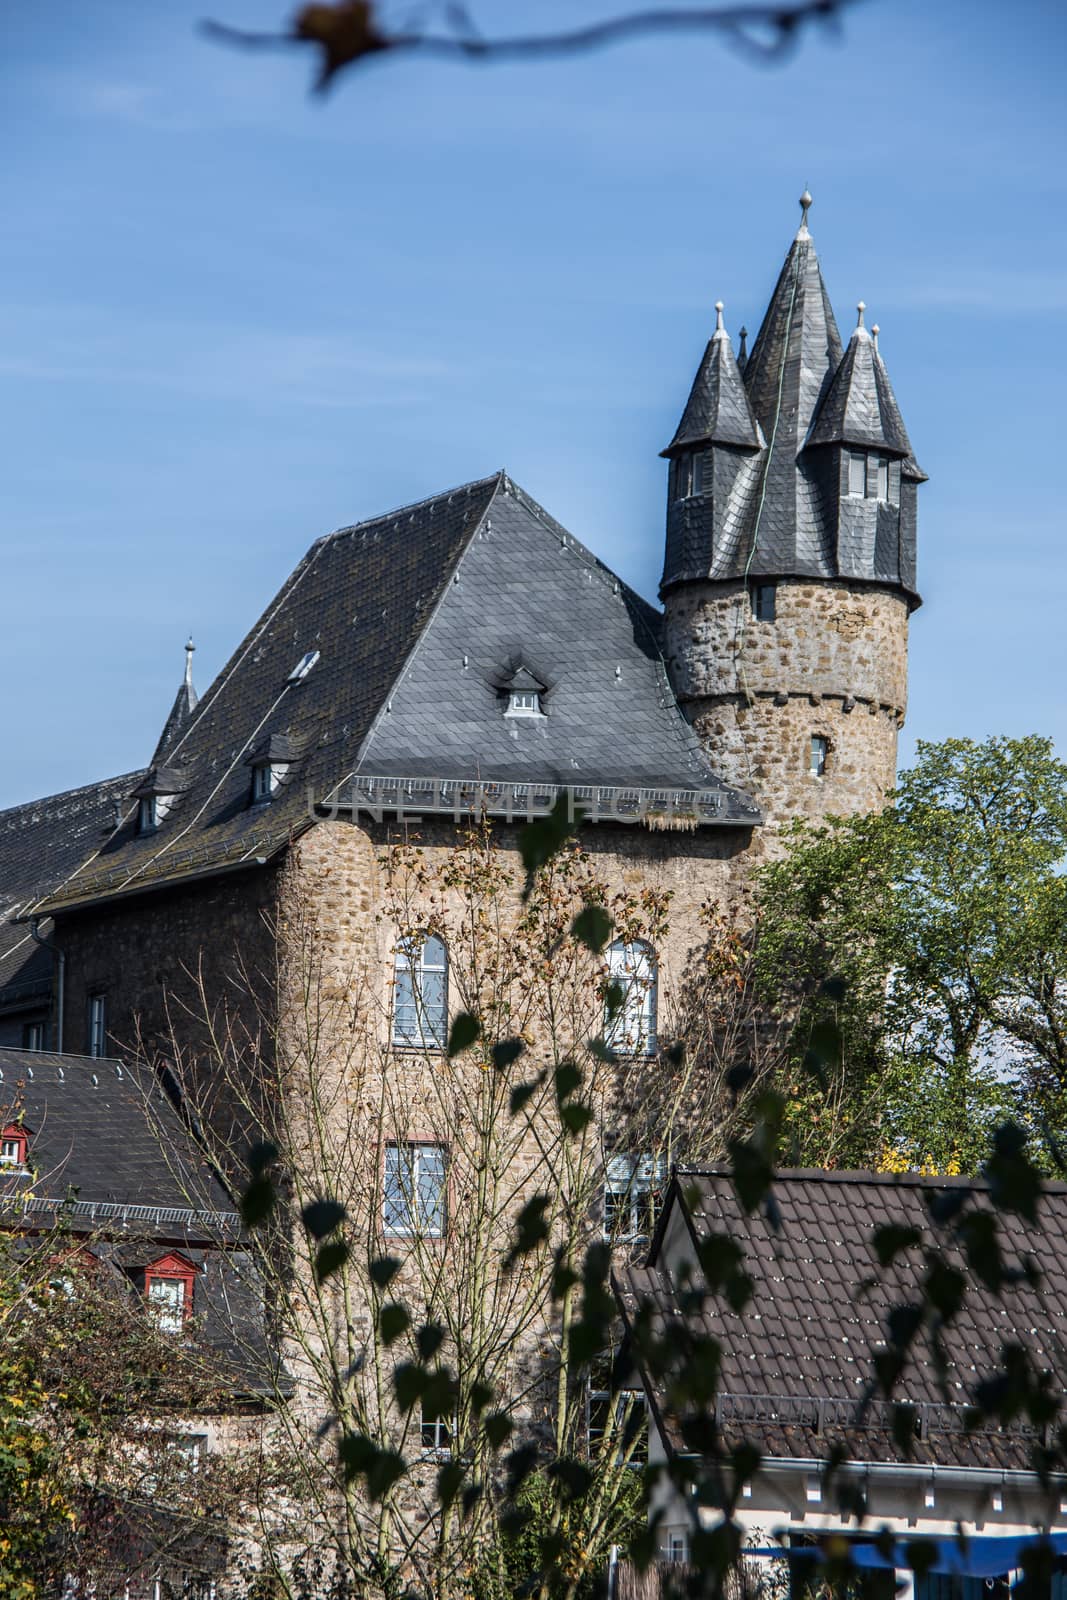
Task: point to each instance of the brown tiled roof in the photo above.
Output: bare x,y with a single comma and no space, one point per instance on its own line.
797,1361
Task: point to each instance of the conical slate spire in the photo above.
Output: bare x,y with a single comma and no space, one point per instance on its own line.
185,703
717,411
860,407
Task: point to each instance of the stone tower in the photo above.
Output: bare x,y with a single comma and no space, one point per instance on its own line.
789,574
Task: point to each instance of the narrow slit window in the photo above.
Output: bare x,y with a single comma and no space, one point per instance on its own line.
820,753
763,601
857,473
696,473
97,1025
878,477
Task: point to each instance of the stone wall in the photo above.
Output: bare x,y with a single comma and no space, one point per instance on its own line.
833,663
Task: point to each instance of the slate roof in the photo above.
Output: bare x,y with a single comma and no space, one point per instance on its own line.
796,1361
41,844
110,1156
717,411
861,408
99,1127
780,510
416,617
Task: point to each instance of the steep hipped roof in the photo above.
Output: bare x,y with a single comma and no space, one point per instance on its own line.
41,843
808,1336
717,411
861,408
405,627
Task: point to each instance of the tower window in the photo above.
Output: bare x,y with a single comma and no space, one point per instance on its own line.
420,994
820,754
763,598
689,475
97,1025
868,475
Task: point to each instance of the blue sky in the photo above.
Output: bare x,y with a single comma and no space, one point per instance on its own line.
233,317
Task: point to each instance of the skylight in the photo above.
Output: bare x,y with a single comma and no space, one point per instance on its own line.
303,666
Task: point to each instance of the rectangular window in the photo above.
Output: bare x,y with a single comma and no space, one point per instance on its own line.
633,1187
34,1036
436,1434
166,1296
261,784
763,598
146,814
623,1415
10,1152
676,1548
420,993
98,1025
188,1448
820,751
696,475
878,477
857,472
414,1200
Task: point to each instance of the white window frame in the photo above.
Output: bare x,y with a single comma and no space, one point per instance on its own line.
266,778
189,1447
818,755
868,475
436,1436
10,1152
632,1400
759,607
170,1310
98,1025
676,1546
411,1208
524,703
147,816
857,474
420,967
631,1031
633,1187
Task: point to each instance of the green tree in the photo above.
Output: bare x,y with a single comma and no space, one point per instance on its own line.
934,936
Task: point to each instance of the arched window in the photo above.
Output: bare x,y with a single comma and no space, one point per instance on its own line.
631,1029
420,1000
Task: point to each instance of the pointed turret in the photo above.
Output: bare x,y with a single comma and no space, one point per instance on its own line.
860,407
185,702
715,440
790,562
717,411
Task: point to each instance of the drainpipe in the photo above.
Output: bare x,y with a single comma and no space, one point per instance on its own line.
61,973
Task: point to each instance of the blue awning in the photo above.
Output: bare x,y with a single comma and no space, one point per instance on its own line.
981,1556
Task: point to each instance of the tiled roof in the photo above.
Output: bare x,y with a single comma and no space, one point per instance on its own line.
808,1334
41,844
415,616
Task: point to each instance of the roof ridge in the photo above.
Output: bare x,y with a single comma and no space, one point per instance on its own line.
499,477
70,794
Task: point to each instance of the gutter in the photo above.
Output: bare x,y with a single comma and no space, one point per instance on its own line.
905,1471
61,977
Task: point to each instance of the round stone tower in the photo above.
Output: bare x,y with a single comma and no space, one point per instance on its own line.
789,575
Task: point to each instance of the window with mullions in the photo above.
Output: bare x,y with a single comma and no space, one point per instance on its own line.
689,475
633,1187
420,998
97,1025
819,755
436,1435
622,1414
763,598
414,1194
630,1027
168,1300
868,475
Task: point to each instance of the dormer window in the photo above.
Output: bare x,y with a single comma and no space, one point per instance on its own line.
270,762
156,798
14,1143
524,703
524,694
168,1288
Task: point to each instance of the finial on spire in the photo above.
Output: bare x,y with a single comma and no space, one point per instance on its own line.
805,202
189,648
861,306
719,328
742,350
874,334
